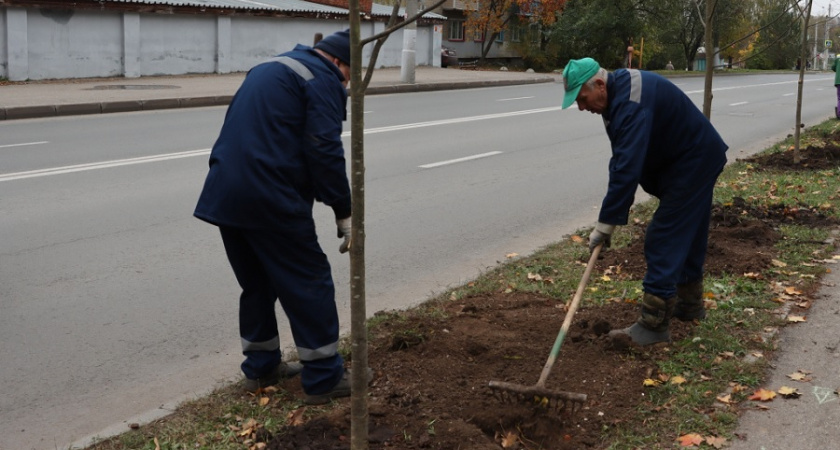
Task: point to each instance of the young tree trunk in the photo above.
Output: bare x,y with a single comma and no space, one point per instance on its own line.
804,55
710,59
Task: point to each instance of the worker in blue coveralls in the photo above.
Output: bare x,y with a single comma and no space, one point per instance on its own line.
278,151
661,141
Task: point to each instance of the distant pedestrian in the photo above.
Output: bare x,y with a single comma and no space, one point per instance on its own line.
280,150
669,66
835,67
661,141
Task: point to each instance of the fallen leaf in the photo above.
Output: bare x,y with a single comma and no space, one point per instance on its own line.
724,398
606,278
651,382
716,442
534,276
789,392
295,417
677,380
511,255
157,444
690,440
752,275
793,318
800,375
577,239
778,263
264,401
763,395
510,440
790,290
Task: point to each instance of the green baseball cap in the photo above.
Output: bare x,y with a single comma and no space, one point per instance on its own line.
576,73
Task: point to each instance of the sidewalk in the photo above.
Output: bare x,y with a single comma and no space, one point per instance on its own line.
813,347
107,95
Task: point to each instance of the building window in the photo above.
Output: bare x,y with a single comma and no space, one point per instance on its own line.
456,30
478,36
500,37
516,34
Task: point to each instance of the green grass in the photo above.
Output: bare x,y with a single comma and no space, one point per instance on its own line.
722,356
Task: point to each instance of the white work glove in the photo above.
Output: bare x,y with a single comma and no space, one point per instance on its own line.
344,232
601,234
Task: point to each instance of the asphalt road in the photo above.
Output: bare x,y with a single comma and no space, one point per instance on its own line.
116,304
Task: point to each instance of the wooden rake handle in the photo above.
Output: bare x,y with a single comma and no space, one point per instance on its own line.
552,357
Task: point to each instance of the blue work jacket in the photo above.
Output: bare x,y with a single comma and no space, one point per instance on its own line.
280,147
660,140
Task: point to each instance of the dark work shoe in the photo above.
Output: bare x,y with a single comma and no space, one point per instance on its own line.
341,389
282,371
639,334
688,312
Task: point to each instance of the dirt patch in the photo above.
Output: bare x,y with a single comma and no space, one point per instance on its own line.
431,377
826,157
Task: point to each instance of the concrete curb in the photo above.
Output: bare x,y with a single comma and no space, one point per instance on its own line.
72,109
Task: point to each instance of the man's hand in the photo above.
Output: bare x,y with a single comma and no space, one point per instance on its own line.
344,232
601,234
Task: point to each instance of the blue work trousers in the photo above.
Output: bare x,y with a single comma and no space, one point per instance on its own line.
677,236
288,265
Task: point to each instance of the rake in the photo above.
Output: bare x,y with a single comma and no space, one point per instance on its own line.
538,394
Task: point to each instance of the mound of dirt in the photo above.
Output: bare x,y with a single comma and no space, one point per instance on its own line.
811,158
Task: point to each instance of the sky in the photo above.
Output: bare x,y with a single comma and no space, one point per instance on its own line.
820,7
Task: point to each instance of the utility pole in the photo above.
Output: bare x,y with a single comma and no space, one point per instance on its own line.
827,37
816,38
409,54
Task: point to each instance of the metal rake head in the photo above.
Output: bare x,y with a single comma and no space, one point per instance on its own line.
539,397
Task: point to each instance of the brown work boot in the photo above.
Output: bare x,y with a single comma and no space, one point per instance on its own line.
652,325
690,302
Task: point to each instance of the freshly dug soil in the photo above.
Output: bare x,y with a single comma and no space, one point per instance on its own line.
430,388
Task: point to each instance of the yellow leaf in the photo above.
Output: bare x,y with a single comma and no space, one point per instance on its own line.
778,263
690,440
577,239
264,401
793,318
651,382
789,392
511,255
763,395
752,275
724,398
606,278
800,376
716,442
677,380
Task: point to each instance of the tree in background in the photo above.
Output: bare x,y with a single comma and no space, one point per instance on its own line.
601,29
489,18
777,43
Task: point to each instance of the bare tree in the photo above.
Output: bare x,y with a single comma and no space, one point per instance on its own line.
358,311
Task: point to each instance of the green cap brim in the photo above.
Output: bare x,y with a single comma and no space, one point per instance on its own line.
571,96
